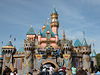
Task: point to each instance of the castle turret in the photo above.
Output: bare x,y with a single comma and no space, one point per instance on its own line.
8,52
29,46
93,58
77,46
54,21
66,50
31,34
67,44
86,50
77,53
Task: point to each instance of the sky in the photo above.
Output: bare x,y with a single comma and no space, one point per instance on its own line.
75,16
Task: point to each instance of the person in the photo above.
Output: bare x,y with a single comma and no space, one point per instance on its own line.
97,73
7,71
62,71
81,72
56,72
73,70
88,73
69,72
44,72
11,73
44,69
15,71
51,69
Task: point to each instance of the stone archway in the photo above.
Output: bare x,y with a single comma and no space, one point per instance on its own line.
50,62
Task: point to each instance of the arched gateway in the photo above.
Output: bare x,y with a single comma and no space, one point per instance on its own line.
52,63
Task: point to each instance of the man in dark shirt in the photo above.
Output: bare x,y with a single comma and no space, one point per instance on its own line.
81,72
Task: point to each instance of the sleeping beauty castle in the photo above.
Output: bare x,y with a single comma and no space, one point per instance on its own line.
47,48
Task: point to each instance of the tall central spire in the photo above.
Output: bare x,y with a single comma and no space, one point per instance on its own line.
54,21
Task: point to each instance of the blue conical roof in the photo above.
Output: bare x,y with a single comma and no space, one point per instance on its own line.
77,43
84,42
48,28
54,11
93,53
30,31
9,43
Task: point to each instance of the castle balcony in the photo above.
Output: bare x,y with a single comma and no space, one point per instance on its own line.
43,39
52,39
19,55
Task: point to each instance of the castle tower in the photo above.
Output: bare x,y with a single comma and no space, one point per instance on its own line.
31,34
29,46
93,57
77,55
54,21
66,47
8,52
67,44
86,50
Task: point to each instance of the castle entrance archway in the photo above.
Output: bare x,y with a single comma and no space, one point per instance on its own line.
50,63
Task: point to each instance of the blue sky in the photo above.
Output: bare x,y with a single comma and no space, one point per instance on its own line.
75,16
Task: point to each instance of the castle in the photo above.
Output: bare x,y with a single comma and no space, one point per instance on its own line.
46,48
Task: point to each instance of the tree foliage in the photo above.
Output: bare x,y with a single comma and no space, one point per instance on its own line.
98,59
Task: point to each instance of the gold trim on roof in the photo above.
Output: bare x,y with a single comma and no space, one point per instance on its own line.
8,47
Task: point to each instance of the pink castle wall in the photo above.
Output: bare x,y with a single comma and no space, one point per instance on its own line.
31,37
43,45
54,29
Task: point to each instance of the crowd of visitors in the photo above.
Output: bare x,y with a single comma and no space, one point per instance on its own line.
8,71
49,70
65,71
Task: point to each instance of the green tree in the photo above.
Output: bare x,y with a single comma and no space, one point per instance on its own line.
98,59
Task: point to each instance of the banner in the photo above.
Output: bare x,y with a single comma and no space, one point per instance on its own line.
66,56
